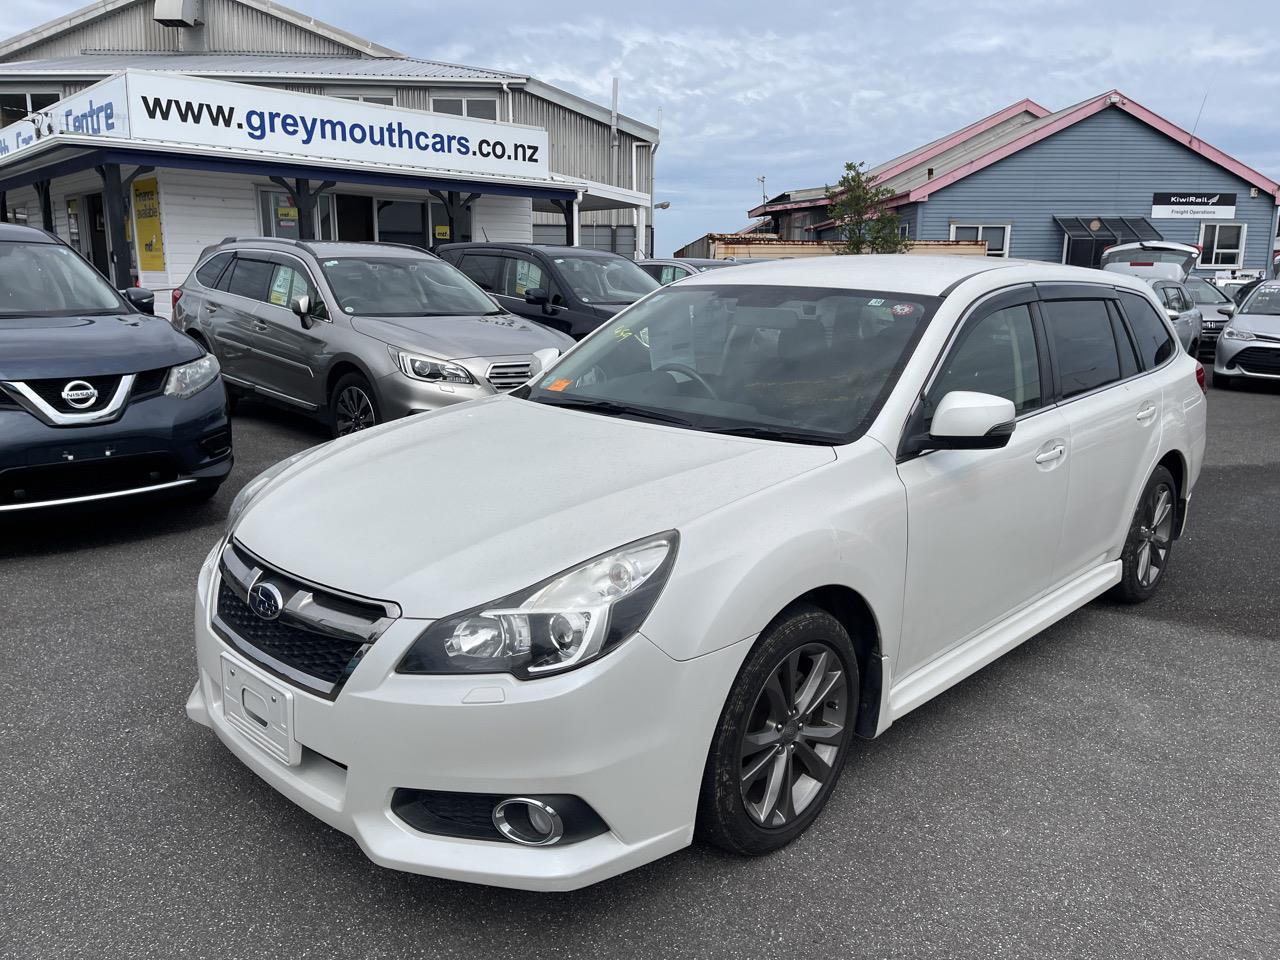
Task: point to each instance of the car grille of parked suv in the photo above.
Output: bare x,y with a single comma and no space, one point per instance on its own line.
313,639
508,376
62,481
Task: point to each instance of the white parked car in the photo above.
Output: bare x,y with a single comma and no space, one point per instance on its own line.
1166,266
661,590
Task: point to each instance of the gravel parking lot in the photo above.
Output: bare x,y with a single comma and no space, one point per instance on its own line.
1110,789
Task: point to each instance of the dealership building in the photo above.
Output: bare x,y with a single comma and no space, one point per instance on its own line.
140,131
1062,186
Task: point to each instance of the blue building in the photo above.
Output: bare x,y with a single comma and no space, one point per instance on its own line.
1062,186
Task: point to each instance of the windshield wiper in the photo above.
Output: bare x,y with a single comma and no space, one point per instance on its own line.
612,408
759,432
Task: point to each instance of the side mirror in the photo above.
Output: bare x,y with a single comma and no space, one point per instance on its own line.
142,299
1171,313
538,297
1228,311
301,306
972,421
543,359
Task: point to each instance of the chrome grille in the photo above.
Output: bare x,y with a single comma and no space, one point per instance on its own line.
508,376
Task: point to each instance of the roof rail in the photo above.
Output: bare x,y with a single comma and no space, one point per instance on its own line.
285,241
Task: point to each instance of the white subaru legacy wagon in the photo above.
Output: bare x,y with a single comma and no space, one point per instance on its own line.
661,590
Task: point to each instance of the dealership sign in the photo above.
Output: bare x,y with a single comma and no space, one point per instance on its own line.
178,110
1194,206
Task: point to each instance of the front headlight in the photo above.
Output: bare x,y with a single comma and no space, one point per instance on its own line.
1235,333
191,378
431,370
255,486
566,621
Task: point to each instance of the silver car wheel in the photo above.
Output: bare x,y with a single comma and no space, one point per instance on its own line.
1154,535
354,411
794,733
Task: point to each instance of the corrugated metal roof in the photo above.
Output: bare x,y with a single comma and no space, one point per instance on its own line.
256,65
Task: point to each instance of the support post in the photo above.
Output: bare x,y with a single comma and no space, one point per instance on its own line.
4,207
113,211
44,192
305,198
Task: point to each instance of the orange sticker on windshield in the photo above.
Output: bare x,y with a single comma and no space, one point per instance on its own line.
560,384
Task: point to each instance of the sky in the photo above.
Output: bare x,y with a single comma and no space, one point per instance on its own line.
791,91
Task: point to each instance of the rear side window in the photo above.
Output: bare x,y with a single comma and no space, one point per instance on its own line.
1084,346
1155,342
484,269
250,278
212,269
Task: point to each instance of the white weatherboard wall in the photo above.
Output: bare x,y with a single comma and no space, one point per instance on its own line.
198,209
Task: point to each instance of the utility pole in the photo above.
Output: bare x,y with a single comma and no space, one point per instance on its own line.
764,194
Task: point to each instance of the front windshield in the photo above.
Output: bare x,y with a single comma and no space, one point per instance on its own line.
404,287
1264,301
50,280
794,363
605,279
1202,291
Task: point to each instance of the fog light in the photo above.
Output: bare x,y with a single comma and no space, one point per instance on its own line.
530,822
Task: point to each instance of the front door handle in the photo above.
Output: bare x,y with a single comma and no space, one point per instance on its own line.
210,307
1055,452
1146,412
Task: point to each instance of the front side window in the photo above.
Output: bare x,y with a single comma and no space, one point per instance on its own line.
1222,244
997,236
995,355
1155,342
485,269
403,287
1084,344
522,276
288,284
49,280
612,280
794,363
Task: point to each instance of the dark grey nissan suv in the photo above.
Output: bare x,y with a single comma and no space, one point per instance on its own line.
354,333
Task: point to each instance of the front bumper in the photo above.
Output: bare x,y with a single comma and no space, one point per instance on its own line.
627,734
1247,358
182,440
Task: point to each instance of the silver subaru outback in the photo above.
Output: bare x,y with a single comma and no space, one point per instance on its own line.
354,333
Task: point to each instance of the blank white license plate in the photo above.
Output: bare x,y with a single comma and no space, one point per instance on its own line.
261,709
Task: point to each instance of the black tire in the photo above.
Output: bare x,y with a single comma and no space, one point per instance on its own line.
1223,382
353,405
1149,546
735,794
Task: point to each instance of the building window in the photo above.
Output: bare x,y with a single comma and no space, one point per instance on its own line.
385,98
481,108
904,230
18,106
996,235
1222,244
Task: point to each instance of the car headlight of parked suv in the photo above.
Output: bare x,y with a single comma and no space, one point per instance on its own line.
431,369
255,486
556,625
190,378
1235,333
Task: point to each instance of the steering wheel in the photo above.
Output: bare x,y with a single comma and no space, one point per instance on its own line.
692,374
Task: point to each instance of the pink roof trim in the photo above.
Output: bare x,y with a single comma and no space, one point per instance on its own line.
981,126
1083,111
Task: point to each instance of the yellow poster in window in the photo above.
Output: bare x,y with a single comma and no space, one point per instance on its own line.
442,231
146,217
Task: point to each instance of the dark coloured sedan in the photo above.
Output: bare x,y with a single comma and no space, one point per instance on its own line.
98,400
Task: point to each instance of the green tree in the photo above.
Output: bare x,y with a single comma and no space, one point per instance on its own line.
858,207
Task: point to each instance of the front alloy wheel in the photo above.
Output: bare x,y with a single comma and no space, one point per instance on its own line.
783,734
353,406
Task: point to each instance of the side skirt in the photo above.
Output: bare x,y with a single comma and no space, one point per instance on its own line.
949,669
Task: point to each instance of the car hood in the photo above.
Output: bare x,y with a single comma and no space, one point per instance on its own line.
32,348
1266,324
456,338
450,509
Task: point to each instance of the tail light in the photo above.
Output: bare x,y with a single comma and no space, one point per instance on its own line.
1200,377
175,296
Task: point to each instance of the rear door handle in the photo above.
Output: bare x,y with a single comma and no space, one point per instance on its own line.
1053,453
1146,412
210,307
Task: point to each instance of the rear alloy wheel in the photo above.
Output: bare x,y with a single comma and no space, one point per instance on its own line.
352,406
783,736
1146,552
